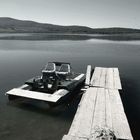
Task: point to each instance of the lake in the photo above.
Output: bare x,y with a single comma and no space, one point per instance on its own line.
21,59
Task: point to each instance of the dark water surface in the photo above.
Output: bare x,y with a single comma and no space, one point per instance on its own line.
21,60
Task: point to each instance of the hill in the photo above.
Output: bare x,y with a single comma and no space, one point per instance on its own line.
10,25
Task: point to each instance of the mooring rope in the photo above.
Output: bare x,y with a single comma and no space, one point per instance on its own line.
103,133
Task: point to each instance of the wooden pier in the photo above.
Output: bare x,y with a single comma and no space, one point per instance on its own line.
100,114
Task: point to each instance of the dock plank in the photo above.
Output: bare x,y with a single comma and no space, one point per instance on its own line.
102,116
84,114
117,83
106,78
88,75
109,79
119,120
95,80
108,116
103,77
99,113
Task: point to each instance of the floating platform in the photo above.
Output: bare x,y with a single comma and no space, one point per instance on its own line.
38,95
100,114
24,91
56,81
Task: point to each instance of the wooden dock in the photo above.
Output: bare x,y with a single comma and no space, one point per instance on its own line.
100,114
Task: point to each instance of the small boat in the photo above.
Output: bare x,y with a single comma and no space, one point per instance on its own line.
56,82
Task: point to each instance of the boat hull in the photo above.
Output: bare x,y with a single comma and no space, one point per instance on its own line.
64,91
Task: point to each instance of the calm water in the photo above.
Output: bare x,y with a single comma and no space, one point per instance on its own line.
21,60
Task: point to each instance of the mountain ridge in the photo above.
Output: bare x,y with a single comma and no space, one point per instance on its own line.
11,25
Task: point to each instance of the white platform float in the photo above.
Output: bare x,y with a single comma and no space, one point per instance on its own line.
38,95
24,91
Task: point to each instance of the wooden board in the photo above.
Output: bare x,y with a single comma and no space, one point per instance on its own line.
117,83
108,113
102,79
81,125
106,78
95,80
109,79
119,120
68,137
99,108
38,95
88,75
99,113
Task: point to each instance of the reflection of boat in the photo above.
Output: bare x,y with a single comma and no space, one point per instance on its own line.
57,81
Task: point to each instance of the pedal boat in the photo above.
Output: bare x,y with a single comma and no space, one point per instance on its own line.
56,82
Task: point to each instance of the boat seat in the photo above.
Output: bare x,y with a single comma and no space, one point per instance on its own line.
64,71
49,70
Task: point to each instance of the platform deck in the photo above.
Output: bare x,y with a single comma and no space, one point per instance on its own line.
100,109
106,78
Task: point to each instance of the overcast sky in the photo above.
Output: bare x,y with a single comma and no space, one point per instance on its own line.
92,13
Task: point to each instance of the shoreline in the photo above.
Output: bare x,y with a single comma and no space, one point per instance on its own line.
61,36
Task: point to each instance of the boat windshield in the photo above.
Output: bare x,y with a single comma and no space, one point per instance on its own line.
50,67
64,68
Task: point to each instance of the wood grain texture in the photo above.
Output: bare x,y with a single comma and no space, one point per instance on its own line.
99,109
106,78
88,75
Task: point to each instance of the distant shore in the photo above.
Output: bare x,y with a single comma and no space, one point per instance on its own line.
31,30
61,36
